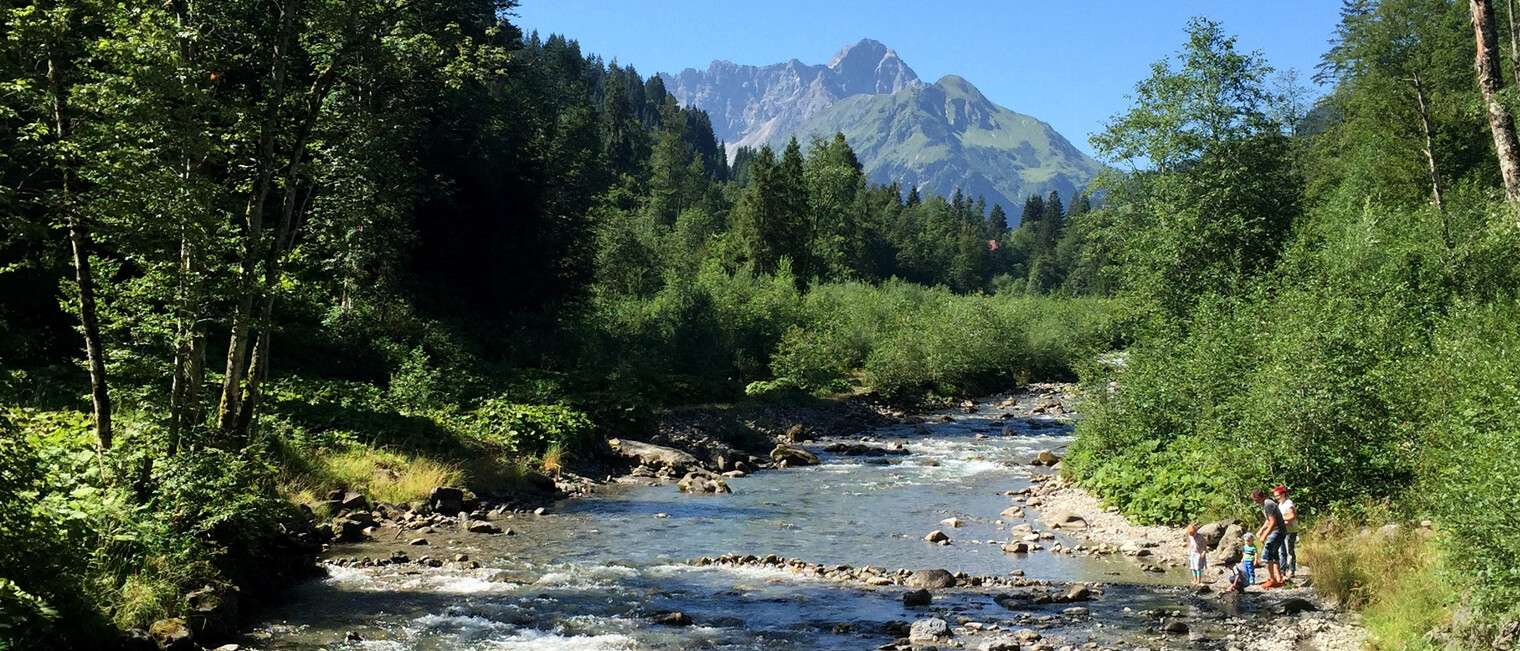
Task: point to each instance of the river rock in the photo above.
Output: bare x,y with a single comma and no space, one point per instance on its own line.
863,450
1077,592
172,635
929,630
1045,458
1012,512
793,456
212,611
916,598
672,619
479,526
1294,606
348,530
655,456
1212,532
1175,626
446,500
354,501
930,579
1016,547
920,428
1066,520
699,483
1003,643
1230,545
136,639
952,522
937,536
797,433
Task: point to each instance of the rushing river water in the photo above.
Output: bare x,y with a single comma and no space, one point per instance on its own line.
588,575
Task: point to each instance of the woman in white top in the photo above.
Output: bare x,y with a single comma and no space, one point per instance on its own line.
1290,522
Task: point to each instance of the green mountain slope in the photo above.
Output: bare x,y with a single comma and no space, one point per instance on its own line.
948,135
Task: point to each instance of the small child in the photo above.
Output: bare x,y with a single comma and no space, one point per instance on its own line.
1197,555
1248,558
1237,574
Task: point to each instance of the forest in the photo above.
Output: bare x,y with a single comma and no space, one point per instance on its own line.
252,252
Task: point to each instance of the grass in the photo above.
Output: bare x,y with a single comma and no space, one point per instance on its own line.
382,475
1396,580
553,460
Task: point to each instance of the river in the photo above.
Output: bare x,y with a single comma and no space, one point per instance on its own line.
591,572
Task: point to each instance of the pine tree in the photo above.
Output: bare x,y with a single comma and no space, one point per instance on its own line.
998,220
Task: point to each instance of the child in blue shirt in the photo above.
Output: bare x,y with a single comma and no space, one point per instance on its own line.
1248,555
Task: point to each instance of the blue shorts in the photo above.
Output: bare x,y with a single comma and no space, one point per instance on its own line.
1272,551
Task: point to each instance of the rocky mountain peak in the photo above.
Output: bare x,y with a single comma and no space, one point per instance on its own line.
871,67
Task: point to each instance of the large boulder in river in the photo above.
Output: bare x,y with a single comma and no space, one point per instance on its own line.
702,483
929,630
930,579
793,456
655,456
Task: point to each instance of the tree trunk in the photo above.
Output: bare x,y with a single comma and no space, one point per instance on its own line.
1491,82
253,233
1514,42
1430,143
190,352
84,278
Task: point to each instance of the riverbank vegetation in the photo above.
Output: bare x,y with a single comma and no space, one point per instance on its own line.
1328,300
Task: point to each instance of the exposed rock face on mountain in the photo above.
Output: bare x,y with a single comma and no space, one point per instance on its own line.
750,106
937,137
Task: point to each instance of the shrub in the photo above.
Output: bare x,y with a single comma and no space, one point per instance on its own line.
529,429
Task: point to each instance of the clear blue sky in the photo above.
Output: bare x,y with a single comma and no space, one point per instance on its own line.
1068,62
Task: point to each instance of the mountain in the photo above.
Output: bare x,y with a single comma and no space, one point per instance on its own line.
750,106
938,137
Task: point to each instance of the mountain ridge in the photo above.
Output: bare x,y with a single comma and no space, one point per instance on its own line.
937,137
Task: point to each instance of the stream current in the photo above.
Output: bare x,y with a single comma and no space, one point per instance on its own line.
589,574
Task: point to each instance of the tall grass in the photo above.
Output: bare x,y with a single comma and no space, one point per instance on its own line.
1398,581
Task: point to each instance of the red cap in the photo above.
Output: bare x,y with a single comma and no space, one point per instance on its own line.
1280,489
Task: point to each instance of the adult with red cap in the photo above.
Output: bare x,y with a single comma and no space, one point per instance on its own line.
1290,533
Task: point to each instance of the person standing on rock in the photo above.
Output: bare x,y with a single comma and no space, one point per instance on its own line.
1271,535
1290,533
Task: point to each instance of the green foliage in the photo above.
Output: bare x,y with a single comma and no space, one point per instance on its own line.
530,429
1215,191
1470,427
905,341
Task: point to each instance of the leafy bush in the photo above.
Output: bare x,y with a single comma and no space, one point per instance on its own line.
1471,401
529,429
